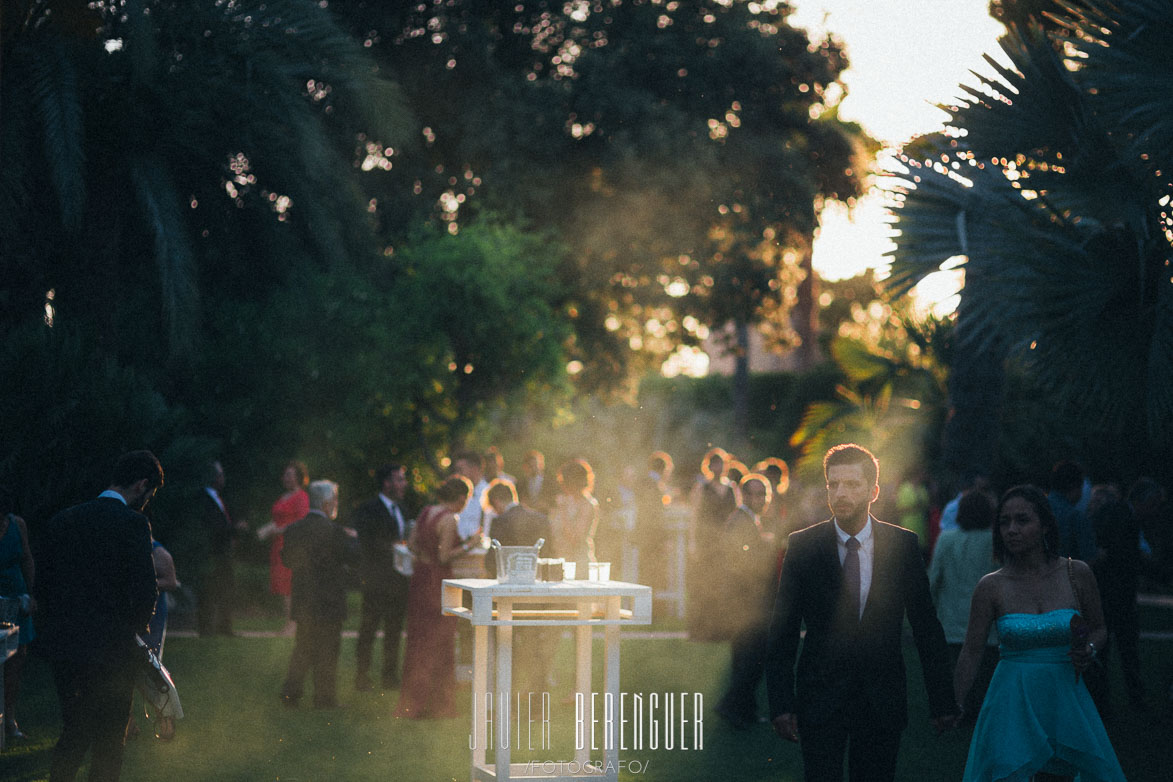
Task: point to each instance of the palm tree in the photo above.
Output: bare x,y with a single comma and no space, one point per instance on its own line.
1051,187
195,145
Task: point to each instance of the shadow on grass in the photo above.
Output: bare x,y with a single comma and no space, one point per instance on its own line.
237,729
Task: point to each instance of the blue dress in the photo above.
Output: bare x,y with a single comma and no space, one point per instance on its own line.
1036,717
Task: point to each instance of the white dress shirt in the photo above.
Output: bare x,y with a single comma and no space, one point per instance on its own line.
113,495
867,555
470,517
396,514
215,495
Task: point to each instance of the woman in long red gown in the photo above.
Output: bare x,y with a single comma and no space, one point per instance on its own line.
292,506
429,662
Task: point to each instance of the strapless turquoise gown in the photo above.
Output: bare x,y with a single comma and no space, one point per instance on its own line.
1036,717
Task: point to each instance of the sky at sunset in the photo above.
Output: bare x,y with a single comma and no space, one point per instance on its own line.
906,56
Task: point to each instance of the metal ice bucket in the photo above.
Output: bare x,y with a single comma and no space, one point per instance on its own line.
517,564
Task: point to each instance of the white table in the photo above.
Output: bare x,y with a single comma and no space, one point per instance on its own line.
583,605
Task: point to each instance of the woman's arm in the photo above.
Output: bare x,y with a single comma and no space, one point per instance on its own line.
1088,595
450,546
982,610
164,569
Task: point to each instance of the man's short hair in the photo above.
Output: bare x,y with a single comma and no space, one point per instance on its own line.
975,511
536,458
1066,476
776,470
210,471
759,479
660,462
385,472
850,453
322,491
455,487
472,457
500,490
134,466
1145,491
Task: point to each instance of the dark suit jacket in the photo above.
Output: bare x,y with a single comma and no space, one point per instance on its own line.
848,665
321,556
378,532
216,525
747,565
517,526
95,582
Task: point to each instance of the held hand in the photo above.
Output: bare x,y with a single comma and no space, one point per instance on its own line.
945,722
1081,659
786,726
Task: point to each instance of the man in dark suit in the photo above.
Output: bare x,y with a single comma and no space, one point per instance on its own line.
96,590
517,525
320,553
215,580
514,524
746,558
852,579
380,524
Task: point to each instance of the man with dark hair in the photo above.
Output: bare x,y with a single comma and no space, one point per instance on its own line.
514,524
1076,537
320,554
1117,524
380,523
517,525
96,590
215,580
533,490
852,580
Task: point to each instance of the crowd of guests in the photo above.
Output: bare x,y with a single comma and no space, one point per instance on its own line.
743,584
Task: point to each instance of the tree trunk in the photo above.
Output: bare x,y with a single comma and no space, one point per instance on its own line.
741,382
805,315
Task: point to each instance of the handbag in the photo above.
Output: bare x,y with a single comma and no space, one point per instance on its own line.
158,688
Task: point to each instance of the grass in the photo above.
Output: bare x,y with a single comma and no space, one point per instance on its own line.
236,729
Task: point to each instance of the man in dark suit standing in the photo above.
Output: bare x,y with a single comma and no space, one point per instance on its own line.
320,554
746,555
517,525
514,524
852,579
215,581
380,524
96,590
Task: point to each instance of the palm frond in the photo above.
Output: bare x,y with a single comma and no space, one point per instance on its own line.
54,87
1127,60
160,203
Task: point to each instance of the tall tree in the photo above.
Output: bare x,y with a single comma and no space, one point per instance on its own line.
681,149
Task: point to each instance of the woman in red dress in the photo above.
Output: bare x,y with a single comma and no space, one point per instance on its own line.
293,505
429,661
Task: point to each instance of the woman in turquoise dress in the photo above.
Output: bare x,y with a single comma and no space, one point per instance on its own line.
1038,721
16,582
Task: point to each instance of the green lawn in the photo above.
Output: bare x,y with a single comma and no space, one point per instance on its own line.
237,730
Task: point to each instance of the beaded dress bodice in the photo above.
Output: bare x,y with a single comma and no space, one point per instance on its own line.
1021,633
